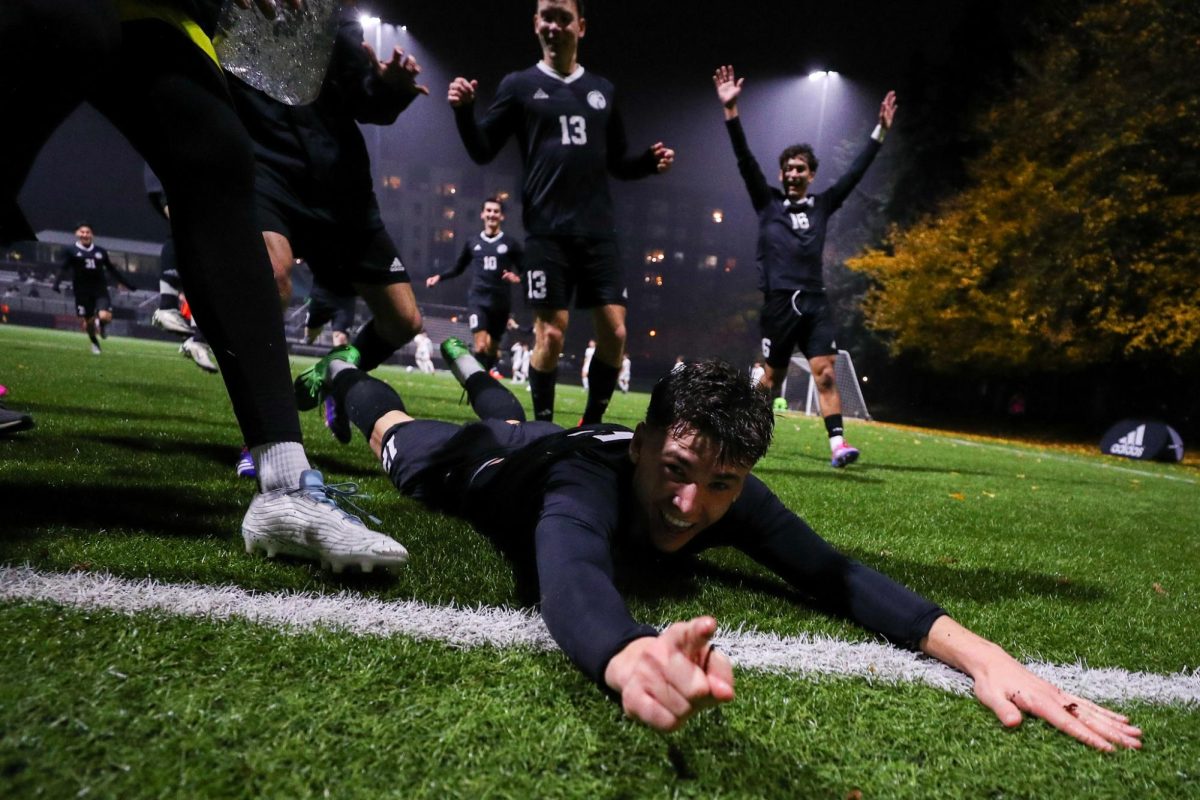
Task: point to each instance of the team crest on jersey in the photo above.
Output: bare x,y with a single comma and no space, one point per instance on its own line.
596,100
502,249
396,265
540,94
478,247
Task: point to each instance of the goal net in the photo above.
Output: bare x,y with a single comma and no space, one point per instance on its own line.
800,390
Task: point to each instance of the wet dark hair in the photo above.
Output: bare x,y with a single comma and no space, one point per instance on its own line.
492,199
716,401
84,224
805,151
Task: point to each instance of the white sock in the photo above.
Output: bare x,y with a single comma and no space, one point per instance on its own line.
279,465
835,442
336,366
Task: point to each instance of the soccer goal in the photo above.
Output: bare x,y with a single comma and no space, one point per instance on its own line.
800,390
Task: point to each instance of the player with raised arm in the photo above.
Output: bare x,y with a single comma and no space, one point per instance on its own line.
495,261
569,127
791,241
588,502
87,262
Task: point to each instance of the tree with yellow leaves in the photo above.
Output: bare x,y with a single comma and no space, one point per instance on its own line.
1078,240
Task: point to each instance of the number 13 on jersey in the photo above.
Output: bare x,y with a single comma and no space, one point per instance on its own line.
574,129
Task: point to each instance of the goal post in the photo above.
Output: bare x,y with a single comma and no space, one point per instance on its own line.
800,390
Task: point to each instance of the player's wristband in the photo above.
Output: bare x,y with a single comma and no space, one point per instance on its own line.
879,133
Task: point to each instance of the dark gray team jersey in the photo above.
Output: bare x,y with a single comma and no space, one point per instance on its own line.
488,258
791,242
574,490
571,137
86,266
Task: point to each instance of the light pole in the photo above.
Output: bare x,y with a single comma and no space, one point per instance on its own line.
824,76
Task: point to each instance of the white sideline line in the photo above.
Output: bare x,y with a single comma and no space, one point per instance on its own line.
1065,459
496,627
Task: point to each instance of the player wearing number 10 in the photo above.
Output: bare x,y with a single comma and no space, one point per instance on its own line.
571,136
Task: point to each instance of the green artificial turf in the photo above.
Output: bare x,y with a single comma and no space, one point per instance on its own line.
1057,555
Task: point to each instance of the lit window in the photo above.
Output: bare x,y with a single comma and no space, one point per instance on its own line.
444,235
709,262
449,189
730,264
447,213
653,332
392,182
718,216
655,256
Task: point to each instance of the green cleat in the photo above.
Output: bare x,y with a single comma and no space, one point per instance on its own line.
780,404
454,348
310,384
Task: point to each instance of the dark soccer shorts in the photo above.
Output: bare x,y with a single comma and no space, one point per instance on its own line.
325,306
90,301
796,320
435,462
339,252
558,268
493,319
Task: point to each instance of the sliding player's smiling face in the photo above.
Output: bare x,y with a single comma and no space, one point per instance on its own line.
84,234
679,485
559,28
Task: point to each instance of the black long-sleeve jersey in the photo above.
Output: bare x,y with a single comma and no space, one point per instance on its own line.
315,153
571,136
489,257
791,244
86,266
574,490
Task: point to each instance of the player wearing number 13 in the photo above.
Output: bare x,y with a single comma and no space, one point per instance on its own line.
571,136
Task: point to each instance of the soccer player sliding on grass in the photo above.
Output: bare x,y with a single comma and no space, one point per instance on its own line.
587,501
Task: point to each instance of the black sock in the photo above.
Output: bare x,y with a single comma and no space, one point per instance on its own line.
541,387
373,349
92,335
602,381
491,400
364,398
833,424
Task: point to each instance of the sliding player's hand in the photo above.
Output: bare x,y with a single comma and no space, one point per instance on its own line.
663,680
1008,688
461,92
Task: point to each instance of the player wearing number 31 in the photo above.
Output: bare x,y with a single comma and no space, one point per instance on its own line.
571,136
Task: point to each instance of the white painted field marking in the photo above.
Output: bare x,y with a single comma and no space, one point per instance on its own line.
498,627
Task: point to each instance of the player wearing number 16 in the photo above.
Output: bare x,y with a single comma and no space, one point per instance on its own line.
571,137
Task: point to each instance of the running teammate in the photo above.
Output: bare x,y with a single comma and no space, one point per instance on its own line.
571,134
588,502
87,262
169,315
495,261
316,198
150,68
791,241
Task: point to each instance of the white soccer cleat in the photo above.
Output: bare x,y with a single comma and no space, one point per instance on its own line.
200,353
170,319
306,522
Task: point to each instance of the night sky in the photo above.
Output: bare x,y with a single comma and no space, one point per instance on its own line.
660,59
